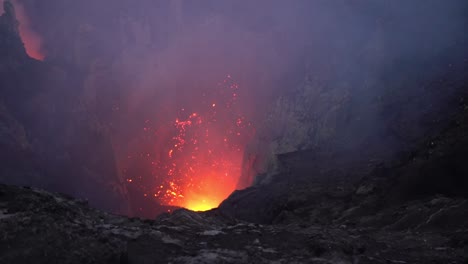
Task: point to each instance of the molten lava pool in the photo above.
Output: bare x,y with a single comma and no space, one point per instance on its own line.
197,157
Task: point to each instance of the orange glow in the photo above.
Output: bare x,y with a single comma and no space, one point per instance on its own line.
32,41
197,162
210,191
201,204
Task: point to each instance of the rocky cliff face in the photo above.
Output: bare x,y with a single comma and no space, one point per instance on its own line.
48,138
311,183
380,100
147,60
339,93
330,194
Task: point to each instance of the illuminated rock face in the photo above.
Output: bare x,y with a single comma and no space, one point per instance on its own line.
375,109
20,24
139,69
137,81
42,146
113,125
31,40
310,213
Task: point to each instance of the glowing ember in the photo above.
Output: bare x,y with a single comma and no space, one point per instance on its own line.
197,163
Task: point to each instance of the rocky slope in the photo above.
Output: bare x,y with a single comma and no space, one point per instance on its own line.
314,206
306,179
41,227
323,219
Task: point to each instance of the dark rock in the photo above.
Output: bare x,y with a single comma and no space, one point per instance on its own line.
314,205
64,150
40,227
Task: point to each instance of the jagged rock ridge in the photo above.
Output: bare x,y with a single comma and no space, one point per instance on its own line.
293,221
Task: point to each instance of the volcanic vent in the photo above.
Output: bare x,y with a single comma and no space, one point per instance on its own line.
196,155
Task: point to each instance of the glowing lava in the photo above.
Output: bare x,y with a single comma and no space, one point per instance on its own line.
197,162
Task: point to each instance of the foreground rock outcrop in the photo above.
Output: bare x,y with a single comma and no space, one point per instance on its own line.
308,215
314,205
39,227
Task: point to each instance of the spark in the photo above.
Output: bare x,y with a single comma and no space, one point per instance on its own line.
203,153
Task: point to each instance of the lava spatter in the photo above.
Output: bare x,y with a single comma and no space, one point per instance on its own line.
202,153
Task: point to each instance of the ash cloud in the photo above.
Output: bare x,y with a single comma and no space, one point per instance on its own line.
334,75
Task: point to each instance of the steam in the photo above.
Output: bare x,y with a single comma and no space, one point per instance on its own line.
147,60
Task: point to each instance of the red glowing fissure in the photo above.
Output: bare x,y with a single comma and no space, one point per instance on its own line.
201,157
